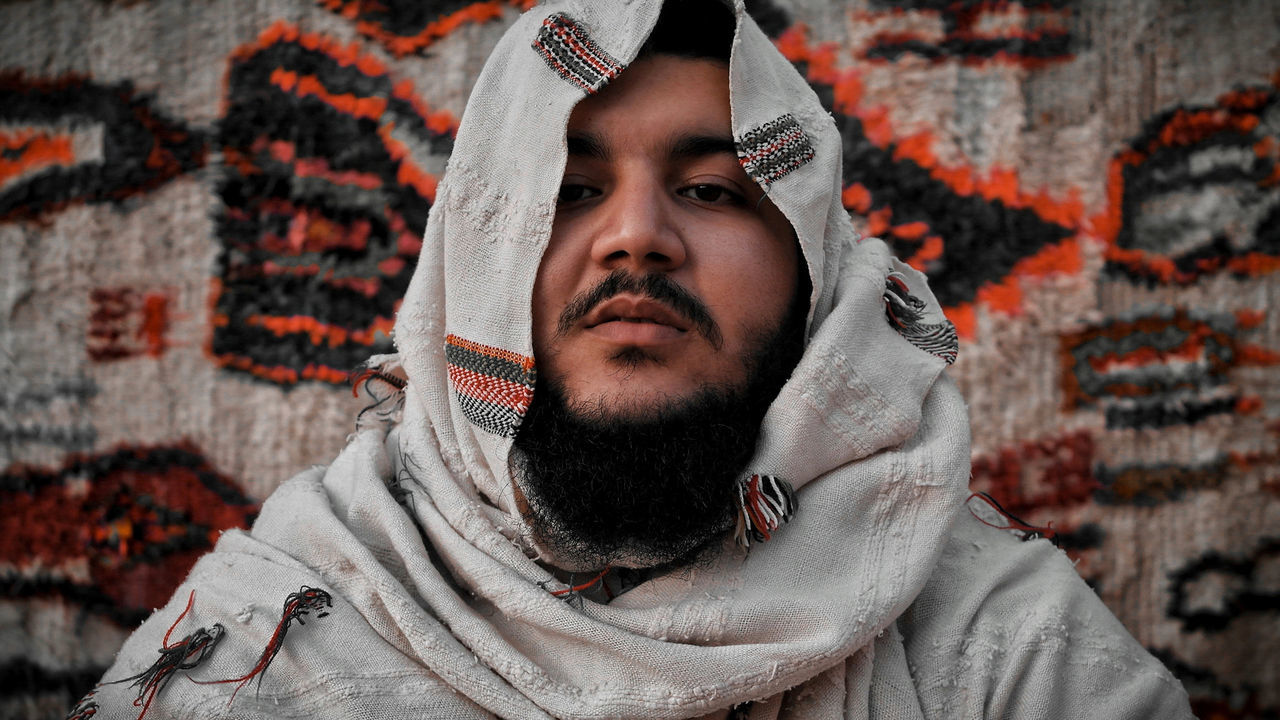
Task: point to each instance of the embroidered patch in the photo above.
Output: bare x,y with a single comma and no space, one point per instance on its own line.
494,386
567,49
905,313
770,151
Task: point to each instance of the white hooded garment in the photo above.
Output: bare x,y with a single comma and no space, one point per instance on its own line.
882,598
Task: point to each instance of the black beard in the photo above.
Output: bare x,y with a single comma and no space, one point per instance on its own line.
656,490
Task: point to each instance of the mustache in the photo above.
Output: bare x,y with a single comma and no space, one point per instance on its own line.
655,286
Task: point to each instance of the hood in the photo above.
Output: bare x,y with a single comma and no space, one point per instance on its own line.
867,430
465,324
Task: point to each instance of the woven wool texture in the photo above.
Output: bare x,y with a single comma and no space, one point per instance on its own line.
208,214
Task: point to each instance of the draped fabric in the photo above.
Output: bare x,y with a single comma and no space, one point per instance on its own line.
883,597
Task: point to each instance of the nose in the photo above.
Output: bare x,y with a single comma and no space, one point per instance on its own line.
638,231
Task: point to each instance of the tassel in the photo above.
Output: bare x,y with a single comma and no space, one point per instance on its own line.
185,654
385,405
573,593
902,308
86,708
565,592
378,367
1013,522
296,606
765,502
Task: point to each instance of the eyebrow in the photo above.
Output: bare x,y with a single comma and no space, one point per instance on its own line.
683,148
586,145
695,146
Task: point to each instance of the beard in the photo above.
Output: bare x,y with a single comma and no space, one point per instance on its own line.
653,490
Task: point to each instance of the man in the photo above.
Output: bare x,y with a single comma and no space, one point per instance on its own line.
674,443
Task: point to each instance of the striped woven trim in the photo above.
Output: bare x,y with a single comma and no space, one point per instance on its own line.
940,340
770,151
567,49
765,503
494,386
905,312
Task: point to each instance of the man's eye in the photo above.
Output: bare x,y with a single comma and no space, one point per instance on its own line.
573,193
711,194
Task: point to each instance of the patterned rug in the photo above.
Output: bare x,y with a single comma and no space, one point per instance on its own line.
208,213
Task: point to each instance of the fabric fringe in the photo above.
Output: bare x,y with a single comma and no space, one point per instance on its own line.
1014,523
765,503
185,654
572,594
375,376
296,607
86,708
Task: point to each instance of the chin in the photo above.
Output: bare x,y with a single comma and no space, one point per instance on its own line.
637,384
640,404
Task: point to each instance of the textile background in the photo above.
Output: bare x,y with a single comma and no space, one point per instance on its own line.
208,212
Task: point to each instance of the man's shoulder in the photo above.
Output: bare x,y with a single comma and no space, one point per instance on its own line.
1009,626
990,574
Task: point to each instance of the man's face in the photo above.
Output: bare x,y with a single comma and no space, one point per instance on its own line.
664,265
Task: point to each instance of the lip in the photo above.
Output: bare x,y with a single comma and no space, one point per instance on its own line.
631,320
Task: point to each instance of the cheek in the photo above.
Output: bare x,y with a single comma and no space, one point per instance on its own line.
560,273
546,303
753,281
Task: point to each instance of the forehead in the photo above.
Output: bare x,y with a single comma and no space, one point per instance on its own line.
658,97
